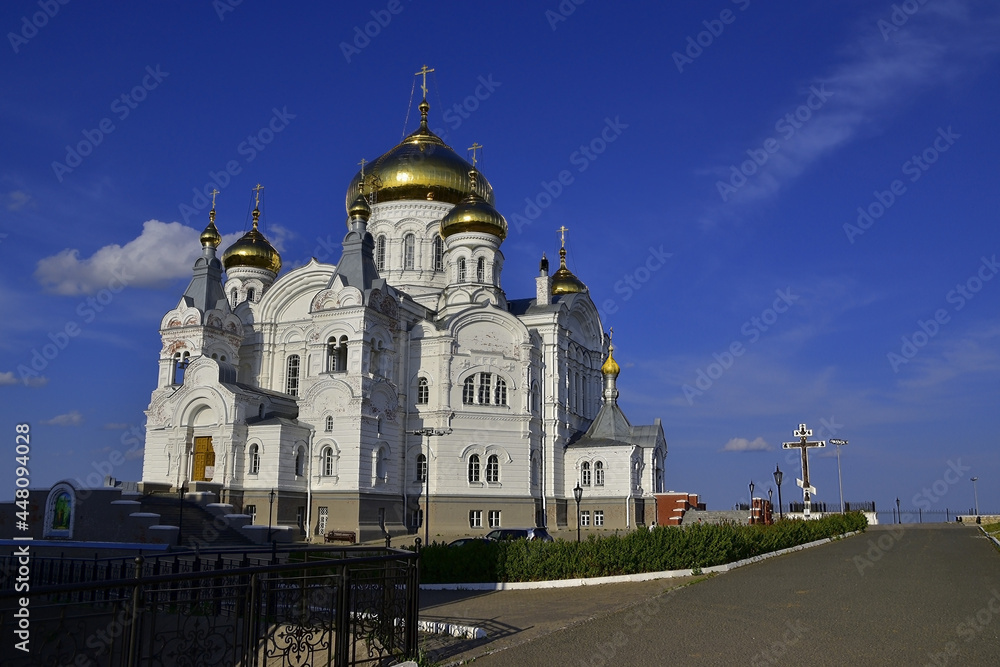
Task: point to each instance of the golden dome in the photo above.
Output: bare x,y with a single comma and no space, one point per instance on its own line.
211,235
474,214
563,280
610,366
359,209
252,249
421,167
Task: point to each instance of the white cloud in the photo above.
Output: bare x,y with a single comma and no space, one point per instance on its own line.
73,418
744,445
17,199
9,379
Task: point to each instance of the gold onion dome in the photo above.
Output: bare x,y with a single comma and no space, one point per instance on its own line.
474,214
563,280
611,366
211,235
252,250
359,209
422,166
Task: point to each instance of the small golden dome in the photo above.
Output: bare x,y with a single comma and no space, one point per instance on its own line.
610,366
211,235
474,214
423,167
253,250
359,209
563,280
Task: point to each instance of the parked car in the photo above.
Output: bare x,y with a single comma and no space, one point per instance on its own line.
462,541
519,534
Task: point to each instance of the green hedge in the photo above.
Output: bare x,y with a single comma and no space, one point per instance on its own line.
662,548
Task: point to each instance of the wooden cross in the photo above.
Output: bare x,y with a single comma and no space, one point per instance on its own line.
474,147
562,232
804,444
424,72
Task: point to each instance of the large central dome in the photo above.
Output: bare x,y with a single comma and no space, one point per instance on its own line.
422,167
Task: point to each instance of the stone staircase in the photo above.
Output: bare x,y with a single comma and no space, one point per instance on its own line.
199,527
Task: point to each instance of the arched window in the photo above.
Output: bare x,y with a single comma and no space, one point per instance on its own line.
485,380
438,254
474,468
328,461
469,390
496,273
336,354
481,270
292,376
534,469
461,269
535,396
181,362
251,294
299,462
585,474
380,252
500,398
234,295
423,392
379,464
598,473
329,424
421,468
375,367
493,469
254,465
408,245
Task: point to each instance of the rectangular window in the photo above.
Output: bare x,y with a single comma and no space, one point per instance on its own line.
598,517
381,518
475,518
300,516
585,518
417,518
494,518
251,510
292,376
324,517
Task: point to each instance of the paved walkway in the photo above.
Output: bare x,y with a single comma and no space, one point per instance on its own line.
895,595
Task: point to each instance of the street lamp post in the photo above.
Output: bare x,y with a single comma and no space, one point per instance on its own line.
975,493
777,480
770,493
578,495
899,516
180,509
429,432
270,513
839,443
751,501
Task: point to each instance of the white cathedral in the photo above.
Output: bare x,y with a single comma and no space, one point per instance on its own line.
401,385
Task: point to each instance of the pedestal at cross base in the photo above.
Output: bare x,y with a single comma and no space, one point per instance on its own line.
804,444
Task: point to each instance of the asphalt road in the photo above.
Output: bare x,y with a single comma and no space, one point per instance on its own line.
896,595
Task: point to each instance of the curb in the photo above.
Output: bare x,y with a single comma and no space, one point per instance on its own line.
622,578
995,540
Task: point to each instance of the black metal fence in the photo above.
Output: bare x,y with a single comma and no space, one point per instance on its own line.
338,606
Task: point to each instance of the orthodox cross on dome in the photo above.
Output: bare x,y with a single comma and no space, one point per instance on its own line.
257,200
214,192
804,444
363,163
611,335
474,147
424,72
562,234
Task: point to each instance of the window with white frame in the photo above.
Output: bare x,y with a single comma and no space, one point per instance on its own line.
417,518
475,518
336,354
254,466
292,376
484,389
329,424
485,383
481,270
598,473
474,468
493,469
585,518
299,462
380,252
438,254
324,517
423,392
379,465
585,474
494,518
409,241
461,270
421,467
598,517
329,459
251,294
500,395
251,511
469,390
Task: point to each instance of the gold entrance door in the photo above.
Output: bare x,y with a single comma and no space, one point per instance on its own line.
204,457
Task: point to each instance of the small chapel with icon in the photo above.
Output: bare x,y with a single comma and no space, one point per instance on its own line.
400,389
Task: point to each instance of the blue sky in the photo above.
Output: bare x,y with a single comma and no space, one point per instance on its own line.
786,211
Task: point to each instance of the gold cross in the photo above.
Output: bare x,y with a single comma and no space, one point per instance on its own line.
424,72
611,334
474,147
258,189
214,192
562,232
362,163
